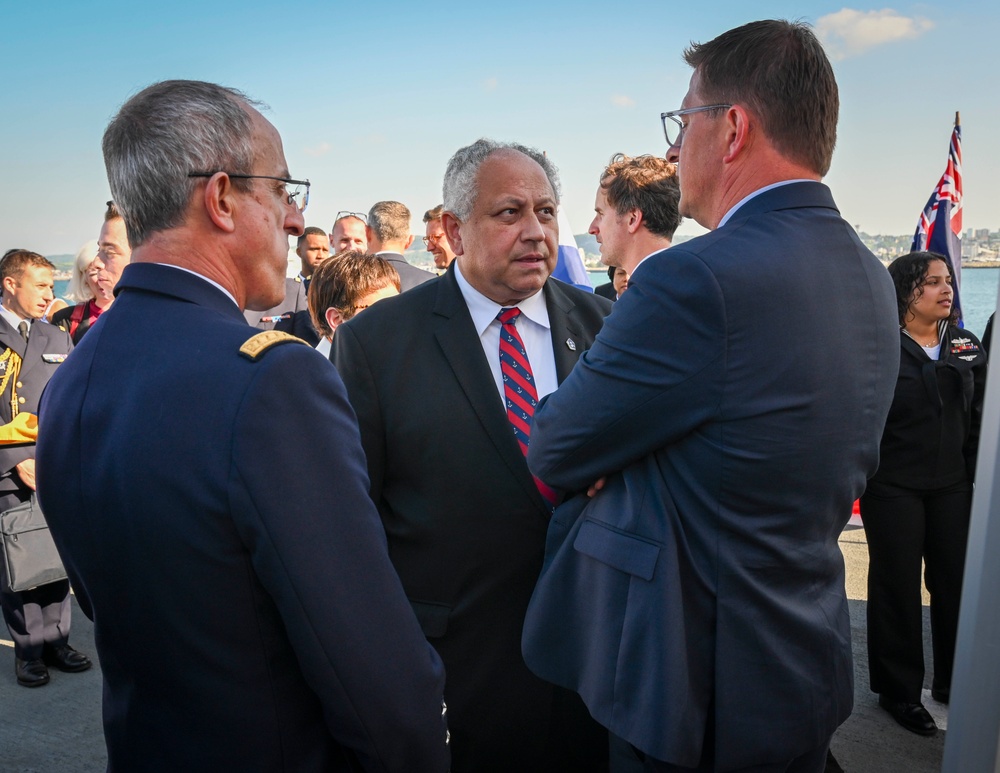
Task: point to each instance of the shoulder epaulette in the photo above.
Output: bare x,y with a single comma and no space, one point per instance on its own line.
253,349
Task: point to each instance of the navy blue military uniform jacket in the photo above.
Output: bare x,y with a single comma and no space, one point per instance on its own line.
46,348
289,316
931,436
213,515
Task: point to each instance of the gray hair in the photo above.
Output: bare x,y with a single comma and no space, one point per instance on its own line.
78,290
460,176
164,133
389,221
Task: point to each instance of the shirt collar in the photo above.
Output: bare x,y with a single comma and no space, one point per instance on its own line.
11,318
484,311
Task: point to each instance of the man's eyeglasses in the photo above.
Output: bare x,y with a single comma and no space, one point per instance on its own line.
673,127
433,238
298,195
359,215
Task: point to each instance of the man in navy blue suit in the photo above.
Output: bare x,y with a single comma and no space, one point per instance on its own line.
207,488
733,403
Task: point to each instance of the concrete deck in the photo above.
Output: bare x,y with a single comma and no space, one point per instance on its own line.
58,727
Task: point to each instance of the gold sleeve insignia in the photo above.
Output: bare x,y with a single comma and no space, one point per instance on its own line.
253,349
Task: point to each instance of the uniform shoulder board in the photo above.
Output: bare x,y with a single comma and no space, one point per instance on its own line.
253,349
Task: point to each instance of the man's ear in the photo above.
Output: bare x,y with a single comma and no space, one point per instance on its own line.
9,284
219,200
333,318
635,220
451,225
738,132
409,241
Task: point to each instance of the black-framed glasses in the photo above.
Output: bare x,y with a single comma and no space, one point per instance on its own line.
673,127
298,195
359,215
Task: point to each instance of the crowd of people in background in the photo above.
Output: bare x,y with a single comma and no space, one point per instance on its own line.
511,529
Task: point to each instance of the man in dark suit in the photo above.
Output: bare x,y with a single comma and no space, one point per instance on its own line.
389,236
735,401
215,522
429,374
30,352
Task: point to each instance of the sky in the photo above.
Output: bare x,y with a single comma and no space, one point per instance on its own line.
371,99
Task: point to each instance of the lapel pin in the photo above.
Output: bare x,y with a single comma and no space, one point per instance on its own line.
571,344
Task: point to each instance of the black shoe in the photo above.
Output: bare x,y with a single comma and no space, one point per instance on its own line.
30,673
942,695
913,716
65,658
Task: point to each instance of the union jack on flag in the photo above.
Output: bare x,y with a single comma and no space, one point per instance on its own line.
939,227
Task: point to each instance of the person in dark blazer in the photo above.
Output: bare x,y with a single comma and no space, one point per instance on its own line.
917,506
207,490
733,405
607,290
464,519
389,236
30,352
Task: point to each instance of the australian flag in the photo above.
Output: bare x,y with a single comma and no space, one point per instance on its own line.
940,225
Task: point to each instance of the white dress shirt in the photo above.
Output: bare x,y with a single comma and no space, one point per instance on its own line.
533,327
13,320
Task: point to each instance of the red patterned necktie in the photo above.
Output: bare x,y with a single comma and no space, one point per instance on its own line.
519,393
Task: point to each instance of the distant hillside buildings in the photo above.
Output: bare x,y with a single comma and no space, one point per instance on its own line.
980,246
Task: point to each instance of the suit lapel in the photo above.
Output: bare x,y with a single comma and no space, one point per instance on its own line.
456,335
36,346
567,336
11,339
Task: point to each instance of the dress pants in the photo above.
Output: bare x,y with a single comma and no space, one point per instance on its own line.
902,526
38,616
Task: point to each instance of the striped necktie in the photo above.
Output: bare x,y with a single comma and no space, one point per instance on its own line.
519,393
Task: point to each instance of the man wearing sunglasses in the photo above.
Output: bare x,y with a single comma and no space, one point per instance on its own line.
348,232
206,487
733,404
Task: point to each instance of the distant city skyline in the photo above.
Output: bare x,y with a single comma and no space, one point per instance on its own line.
372,101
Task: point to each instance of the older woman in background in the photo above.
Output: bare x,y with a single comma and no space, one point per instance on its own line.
917,505
92,290
344,285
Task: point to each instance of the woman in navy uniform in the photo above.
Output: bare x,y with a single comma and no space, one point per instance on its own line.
917,505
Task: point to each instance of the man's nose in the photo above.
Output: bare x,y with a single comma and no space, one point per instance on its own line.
295,223
533,230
